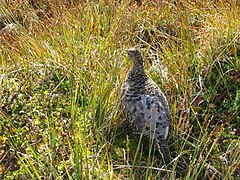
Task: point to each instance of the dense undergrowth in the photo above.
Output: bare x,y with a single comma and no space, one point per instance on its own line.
62,66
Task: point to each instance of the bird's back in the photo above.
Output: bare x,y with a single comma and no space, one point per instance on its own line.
148,110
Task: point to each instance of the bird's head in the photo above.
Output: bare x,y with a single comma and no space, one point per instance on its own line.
135,56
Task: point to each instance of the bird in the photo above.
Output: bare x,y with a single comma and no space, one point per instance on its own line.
145,106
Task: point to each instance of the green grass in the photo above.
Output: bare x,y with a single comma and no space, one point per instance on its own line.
62,66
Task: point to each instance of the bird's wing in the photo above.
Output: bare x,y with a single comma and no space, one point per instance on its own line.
157,111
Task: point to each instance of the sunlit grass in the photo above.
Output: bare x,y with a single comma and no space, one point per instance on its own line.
62,66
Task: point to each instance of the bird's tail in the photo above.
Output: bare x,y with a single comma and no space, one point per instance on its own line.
163,149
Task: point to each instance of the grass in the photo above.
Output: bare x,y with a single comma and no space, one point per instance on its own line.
62,66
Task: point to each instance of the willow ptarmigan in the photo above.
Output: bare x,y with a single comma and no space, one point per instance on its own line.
145,105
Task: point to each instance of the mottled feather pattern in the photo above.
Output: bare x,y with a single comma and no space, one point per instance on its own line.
145,105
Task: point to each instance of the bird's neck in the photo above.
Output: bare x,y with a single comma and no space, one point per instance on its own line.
137,73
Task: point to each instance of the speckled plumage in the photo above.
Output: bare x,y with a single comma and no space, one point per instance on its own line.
145,105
